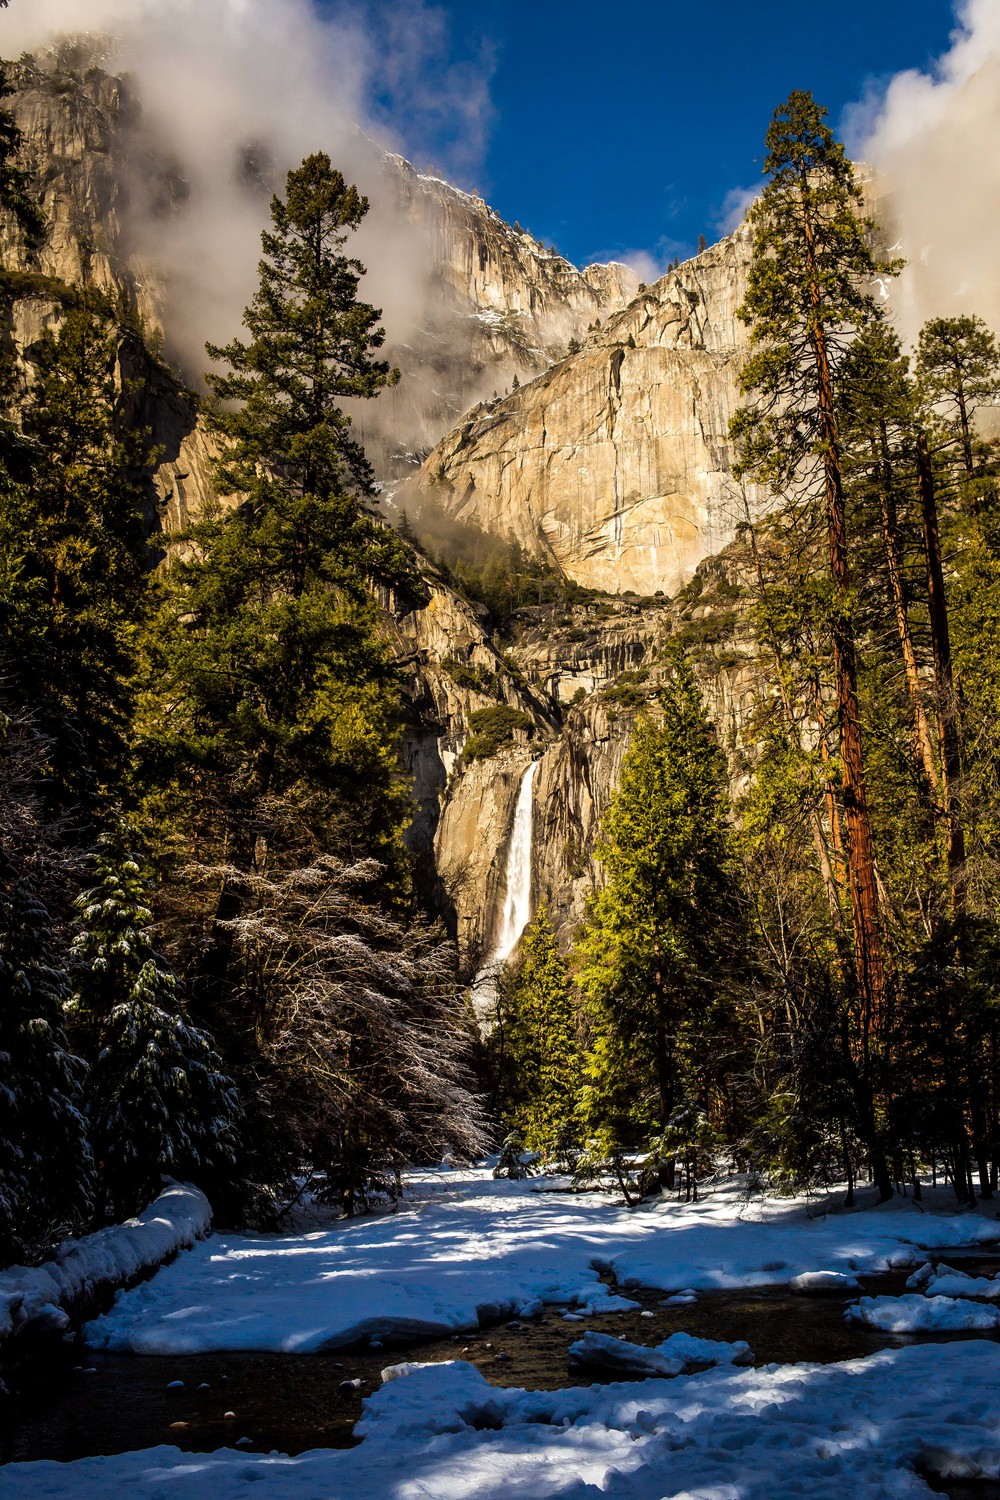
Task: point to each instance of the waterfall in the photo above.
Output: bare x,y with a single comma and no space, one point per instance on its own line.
517,903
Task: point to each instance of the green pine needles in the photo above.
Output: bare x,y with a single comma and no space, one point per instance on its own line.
541,1049
660,932
157,1099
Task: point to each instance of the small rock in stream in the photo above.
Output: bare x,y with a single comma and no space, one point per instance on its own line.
172,1385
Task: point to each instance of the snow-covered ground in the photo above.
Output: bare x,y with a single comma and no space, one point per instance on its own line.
441,1432
36,1297
465,1246
467,1249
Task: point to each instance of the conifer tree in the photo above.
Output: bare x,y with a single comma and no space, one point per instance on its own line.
808,295
541,1058
878,411
274,684
45,1161
659,934
958,366
74,561
157,1099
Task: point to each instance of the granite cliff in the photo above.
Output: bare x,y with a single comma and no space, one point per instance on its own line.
615,463
496,305
611,463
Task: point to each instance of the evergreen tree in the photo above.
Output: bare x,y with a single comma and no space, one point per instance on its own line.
274,684
158,1101
74,560
879,422
541,1058
958,366
45,1161
808,294
658,941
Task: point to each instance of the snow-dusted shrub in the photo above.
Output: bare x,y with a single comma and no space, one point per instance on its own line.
359,1030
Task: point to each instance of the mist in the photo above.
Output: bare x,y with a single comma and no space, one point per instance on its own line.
933,139
233,93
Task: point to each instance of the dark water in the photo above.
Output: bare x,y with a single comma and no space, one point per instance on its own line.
86,1403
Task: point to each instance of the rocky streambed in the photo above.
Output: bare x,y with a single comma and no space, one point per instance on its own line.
81,1403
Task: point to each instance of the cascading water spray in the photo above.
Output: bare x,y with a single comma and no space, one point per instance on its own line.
517,903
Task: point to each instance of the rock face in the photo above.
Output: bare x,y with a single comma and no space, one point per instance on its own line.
497,305
612,462
463,812
81,148
465,816
615,463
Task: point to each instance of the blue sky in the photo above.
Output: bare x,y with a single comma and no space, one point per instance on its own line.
614,128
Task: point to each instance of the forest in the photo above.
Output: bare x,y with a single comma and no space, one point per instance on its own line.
217,959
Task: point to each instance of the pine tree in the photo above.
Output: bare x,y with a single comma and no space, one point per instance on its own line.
878,411
958,367
274,684
74,562
541,1058
158,1101
808,295
45,1161
659,934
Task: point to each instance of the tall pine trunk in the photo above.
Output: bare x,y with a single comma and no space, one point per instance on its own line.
944,683
869,959
894,563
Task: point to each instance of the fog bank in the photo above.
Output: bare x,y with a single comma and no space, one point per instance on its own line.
235,92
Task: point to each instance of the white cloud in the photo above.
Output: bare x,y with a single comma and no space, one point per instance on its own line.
216,77
734,208
934,137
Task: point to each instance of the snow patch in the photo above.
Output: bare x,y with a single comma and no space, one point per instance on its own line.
947,1282
817,1283
466,1249
441,1432
36,1297
917,1314
678,1353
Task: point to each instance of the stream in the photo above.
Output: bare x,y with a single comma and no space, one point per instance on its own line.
81,1403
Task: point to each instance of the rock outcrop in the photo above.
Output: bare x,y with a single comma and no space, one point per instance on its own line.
611,462
616,463
608,654
82,149
497,305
